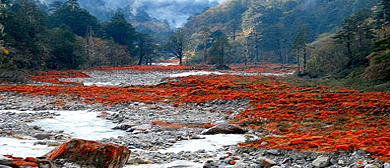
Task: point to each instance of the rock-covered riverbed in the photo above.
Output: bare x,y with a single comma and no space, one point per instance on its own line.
35,125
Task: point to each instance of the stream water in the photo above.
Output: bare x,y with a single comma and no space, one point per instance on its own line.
80,124
22,148
86,125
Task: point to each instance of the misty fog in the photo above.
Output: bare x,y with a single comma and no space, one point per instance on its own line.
175,12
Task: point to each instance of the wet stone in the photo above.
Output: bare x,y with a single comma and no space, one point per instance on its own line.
371,166
224,129
254,166
123,127
273,151
266,162
4,160
42,136
341,162
321,162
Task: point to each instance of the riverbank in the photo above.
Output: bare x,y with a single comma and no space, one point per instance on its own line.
173,109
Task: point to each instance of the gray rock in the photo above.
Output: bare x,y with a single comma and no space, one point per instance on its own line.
273,151
321,162
4,166
210,164
240,164
42,136
137,161
386,165
265,162
255,166
341,162
4,160
371,166
123,127
224,129
300,161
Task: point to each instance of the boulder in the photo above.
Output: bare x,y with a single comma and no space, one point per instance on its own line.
42,136
91,154
265,162
224,129
321,162
5,161
371,166
124,126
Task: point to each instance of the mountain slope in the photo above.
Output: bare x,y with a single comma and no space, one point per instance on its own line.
271,26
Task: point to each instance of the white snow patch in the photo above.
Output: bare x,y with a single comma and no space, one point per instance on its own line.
209,143
198,73
22,148
276,74
177,163
81,124
102,84
165,64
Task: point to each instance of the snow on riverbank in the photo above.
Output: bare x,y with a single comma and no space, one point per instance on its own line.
22,148
209,143
81,124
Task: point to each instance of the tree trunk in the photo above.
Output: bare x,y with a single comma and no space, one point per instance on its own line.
304,59
141,57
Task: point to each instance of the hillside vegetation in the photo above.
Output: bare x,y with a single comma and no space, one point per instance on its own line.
340,38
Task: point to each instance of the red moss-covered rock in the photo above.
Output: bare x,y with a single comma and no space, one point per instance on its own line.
92,153
18,162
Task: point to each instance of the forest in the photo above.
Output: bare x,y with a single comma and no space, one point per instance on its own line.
325,38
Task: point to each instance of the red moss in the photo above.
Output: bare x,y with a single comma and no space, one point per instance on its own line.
176,125
24,163
31,159
55,76
170,125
